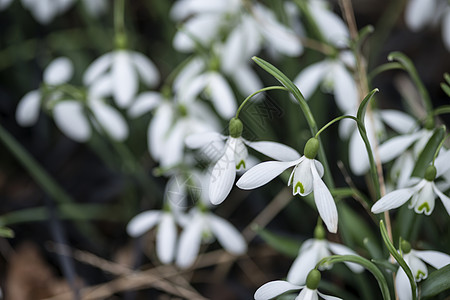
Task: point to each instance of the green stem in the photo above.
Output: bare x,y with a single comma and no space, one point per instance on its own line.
119,23
383,68
436,153
445,109
398,258
334,121
276,87
363,262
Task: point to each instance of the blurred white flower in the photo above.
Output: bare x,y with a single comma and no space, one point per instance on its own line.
305,178
203,226
233,157
415,260
311,252
4,4
44,11
275,288
118,73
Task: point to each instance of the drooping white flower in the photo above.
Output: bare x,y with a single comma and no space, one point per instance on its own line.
422,193
309,291
234,157
118,73
416,259
305,178
203,226
44,11
311,252
335,78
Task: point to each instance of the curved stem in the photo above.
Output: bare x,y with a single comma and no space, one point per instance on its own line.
363,262
334,121
269,88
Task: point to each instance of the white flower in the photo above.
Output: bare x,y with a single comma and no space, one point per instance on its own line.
118,73
166,235
233,157
45,10
305,178
311,252
421,192
4,4
273,289
59,71
415,260
335,78
202,226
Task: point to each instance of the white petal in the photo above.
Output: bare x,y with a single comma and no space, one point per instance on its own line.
307,294
358,157
446,29
402,285
445,200
442,163
189,243
158,129
301,178
305,262
184,8
27,111
275,150
97,68
143,222
345,91
344,250
393,200
110,120
166,238
434,258
198,140
223,174
396,146
189,71
144,103
324,202
96,7
193,88
398,120
70,119
331,26
227,235
423,201
274,288
146,69
43,12
203,28
308,80
263,173
418,13
221,95
246,80
328,297
4,4
102,87
173,147
231,56
124,78
59,71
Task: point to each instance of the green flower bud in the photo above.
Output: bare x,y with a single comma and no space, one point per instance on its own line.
311,148
429,123
430,173
235,128
319,232
405,246
313,279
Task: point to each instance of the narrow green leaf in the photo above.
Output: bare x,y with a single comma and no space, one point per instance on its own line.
436,283
6,232
385,265
447,77
283,244
444,109
445,88
398,258
427,154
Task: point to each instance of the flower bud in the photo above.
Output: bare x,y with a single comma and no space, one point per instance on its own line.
235,128
405,246
313,279
430,173
311,148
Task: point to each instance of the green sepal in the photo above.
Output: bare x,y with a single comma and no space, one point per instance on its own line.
427,154
313,279
235,128
311,148
436,283
283,244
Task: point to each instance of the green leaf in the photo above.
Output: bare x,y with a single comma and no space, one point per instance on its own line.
445,88
437,282
398,258
282,244
6,232
427,154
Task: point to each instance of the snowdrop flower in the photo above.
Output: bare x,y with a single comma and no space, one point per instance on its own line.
58,72
335,77
234,157
420,13
422,193
44,11
203,226
305,178
273,289
416,259
118,73
312,251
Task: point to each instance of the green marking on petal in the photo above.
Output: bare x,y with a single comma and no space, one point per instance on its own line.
424,206
299,185
420,275
240,164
